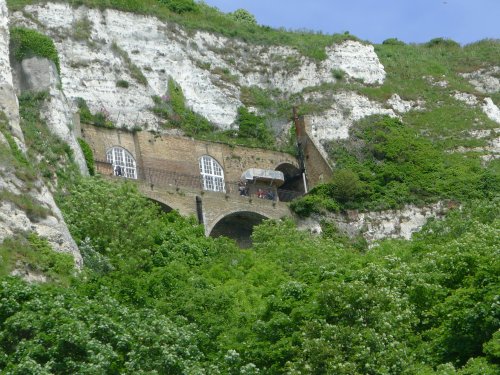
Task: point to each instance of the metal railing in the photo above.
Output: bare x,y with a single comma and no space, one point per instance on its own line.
163,178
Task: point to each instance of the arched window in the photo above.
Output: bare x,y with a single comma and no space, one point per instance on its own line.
212,174
123,162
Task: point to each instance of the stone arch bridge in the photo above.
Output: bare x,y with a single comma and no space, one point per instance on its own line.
226,213
204,178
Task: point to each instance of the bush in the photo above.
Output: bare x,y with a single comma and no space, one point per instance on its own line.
394,42
26,43
338,74
122,83
252,126
243,16
180,6
442,42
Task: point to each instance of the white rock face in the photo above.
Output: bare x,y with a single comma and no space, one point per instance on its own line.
379,225
53,228
466,98
8,99
485,80
347,108
491,110
40,74
12,219
210,69
402,106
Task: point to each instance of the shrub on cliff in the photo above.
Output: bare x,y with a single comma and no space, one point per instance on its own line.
26,43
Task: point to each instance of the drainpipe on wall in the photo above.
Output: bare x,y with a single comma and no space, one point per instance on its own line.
199,209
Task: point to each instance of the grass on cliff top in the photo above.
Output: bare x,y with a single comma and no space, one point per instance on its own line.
207,18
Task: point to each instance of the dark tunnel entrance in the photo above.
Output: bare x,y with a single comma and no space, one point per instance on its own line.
294,183
238,226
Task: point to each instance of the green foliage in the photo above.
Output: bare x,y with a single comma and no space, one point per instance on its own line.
88,154
180,6
338,74
52,330
253,127
100,118
122,83
442,42
47,153
313,203
26,43
34,253
173,107
393,42
385,164
82,29
157,295
14,149
201,16
243,16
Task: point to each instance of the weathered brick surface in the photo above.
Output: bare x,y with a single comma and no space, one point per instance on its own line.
181,154
216,206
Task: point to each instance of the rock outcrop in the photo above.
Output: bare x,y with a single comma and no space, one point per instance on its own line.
40,74
374,226
13,219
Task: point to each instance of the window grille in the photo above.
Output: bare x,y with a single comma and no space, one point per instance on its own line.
123,162
212,174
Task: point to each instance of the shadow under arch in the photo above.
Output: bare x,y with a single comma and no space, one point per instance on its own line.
238,226
293,181
164,207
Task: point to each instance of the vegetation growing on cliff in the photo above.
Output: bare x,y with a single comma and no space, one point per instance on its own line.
385,164
26,43
172,301
200,16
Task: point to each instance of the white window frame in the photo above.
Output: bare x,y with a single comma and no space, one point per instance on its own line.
118,156
212,174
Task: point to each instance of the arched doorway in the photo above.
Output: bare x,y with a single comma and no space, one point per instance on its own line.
294,183
238,226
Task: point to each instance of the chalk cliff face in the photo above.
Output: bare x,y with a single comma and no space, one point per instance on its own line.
90,68
13,219
99,48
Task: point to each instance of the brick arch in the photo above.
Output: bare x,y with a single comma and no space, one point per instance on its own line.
164,206
237,225
293,181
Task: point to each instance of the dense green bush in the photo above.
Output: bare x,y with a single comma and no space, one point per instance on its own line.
252,126
243,16
27,43
442,42
180,6
155,286
385,164
393,42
